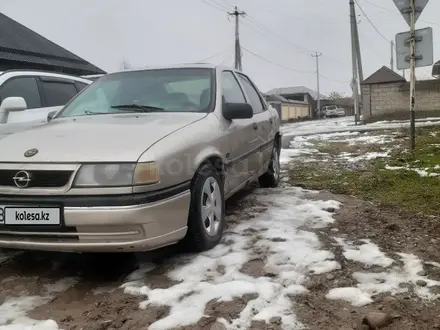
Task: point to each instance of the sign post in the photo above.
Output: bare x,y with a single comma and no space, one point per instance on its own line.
412,73
411,11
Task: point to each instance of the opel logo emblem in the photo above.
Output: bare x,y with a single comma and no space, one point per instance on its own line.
22,179
31,152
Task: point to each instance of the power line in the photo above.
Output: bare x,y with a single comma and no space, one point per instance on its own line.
372,24
276,64
377,30
267,30
214,6
292,69
220,4
394,12
213,56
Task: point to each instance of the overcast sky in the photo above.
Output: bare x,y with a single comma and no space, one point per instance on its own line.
284,32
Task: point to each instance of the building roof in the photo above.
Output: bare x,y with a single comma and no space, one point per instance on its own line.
382,76
279,98
20,45
295,90
436,70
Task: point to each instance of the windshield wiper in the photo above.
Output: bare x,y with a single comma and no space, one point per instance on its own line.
88,112
137,108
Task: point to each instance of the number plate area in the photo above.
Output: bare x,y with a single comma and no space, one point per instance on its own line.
30,216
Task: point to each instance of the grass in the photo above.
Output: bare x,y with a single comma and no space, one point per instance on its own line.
402,189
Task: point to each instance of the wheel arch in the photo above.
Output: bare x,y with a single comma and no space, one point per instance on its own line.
216,160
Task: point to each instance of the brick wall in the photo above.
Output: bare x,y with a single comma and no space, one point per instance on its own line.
391,101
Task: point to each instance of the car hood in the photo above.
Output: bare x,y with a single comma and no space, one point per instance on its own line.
97,138
7,129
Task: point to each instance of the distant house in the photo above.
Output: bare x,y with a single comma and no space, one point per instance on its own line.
386,96
300,93
22,48
288,110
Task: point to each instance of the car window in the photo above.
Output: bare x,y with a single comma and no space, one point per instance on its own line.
58,93
80,86
254,96
170,90
231,89
197,91
25,87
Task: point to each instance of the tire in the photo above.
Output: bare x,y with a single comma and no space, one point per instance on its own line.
271,178
204,234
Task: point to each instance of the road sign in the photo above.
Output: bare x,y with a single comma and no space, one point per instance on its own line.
404,7
424,54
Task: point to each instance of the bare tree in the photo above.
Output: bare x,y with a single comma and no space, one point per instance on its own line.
125,64
336,95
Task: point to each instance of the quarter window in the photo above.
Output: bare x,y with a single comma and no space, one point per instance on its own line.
80,86
58,93
254,96
25,87
231,89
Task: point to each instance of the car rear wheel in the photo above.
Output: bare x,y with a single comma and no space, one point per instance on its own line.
207,210
271,178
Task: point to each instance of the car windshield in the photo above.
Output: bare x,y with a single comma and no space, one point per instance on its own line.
158,90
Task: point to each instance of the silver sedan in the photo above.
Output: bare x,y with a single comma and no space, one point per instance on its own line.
138,160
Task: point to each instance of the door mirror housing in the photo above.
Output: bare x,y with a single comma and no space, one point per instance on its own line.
50,115
11,104
237,111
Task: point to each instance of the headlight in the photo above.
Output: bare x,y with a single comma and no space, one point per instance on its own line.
117,175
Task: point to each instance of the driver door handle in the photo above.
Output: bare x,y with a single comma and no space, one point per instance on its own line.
255,126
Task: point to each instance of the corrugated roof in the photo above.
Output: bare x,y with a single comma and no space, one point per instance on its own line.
295,90
382,76
20,44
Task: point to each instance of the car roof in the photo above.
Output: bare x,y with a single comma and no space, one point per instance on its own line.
20,72
179,66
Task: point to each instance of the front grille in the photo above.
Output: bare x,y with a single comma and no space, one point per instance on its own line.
37,179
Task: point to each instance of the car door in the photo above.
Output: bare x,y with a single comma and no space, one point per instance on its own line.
242,137
264,121
27,88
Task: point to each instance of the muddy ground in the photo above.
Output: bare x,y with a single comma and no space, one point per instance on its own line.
392,231
94,301
80,307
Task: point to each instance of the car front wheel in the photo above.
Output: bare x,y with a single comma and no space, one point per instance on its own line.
207,210
271,178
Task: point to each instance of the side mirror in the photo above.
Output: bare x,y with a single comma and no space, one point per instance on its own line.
11,104
50,115
237,111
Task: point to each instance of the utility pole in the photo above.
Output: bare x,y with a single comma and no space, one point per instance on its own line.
237,14
354,58
317,55
392,55
358,51
412,76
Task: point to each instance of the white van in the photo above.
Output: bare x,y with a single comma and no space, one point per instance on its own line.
28,96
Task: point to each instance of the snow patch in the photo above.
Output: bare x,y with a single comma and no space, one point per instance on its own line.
13,314
367,253
61,285
290,253
354,296
372,284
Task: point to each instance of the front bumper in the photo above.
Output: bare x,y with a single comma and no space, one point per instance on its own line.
140,222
